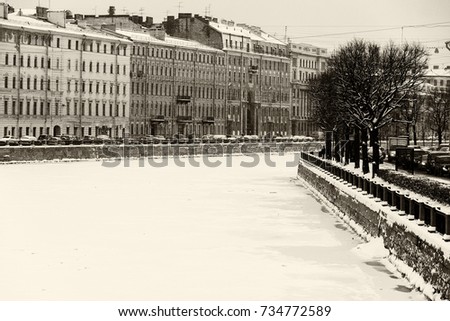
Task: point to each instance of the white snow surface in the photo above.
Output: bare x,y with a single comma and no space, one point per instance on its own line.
81,231
375,245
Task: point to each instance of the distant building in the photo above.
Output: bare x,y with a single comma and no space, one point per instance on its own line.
438,72
257,88
58,78
307,62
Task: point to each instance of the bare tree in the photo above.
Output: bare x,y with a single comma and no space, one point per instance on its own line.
410,111
438,111
372,82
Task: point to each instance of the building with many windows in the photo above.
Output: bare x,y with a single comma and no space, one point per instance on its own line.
58,78
307,62
257,91
177,86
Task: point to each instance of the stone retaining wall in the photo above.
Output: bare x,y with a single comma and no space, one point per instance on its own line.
425,258
48,153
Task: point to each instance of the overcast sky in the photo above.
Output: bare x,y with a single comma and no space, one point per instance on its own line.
327,23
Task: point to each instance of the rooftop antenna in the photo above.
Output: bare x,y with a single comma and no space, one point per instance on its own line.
285,33
179,6
141,11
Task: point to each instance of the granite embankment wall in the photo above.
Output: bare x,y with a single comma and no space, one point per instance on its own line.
70,152
427,254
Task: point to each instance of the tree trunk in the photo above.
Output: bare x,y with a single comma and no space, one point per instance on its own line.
375,151
337,147
328,143
347,146
365,157
414,133
356,151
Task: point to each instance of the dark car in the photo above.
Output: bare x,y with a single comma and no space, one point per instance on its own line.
158,139
146,140
103,140
88,140
441,165
53,140
68,139
179,139
42,139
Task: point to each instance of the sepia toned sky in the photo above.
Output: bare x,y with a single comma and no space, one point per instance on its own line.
327,23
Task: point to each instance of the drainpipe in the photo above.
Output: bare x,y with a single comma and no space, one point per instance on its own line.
18,47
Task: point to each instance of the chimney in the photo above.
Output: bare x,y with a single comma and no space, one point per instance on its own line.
41,13
4,11
57,18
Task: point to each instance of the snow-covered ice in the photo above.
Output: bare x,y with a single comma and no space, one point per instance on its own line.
81,231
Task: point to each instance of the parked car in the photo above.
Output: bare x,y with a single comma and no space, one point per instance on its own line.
53,140
146,140
179,139
88,140
103,139
208,139
27,140
403,155
67,139
42,139
9,140
441,165
158,139
221,139
442,150
192,139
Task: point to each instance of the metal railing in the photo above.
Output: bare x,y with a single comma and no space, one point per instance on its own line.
425,214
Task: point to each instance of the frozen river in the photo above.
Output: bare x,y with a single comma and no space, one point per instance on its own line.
82,231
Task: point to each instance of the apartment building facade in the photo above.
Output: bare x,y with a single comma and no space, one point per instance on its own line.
58,78
258,72
307,62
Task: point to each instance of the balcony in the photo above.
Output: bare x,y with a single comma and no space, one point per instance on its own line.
208,120
183,99
158,118
184,119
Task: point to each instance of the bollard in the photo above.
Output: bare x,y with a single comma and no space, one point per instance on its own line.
397,199
432,225
427,209
413,209
446,236
419,213
373,189
401,204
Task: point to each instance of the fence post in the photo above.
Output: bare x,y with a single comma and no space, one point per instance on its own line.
421,219
432,226
446,236
411,212
401,206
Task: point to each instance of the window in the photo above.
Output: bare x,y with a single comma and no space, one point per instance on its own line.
6,59
6,82
69,44
6,107
57,42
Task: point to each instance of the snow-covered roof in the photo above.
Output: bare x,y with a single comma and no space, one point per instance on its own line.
189,43
242,30
28,21
169,41
140,36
